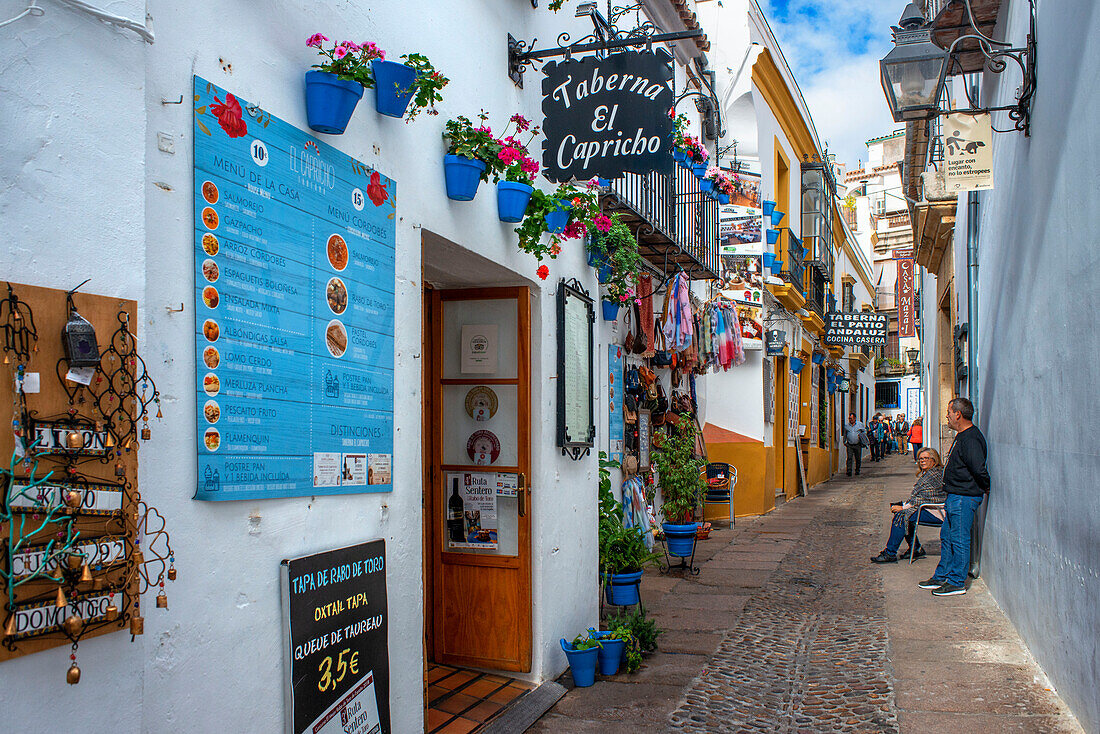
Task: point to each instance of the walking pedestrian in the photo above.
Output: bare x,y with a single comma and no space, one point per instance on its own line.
916,436
902,429
966,482
878,437
855,436
928,490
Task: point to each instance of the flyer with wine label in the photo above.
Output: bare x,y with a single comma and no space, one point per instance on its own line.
294,302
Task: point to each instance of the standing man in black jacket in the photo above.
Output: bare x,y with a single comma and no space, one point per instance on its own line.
966,481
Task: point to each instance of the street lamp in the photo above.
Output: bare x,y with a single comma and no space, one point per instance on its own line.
914,354
913,72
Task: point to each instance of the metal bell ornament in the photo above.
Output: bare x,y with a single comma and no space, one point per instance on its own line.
137,625
73,498
74,561
146,434
73,676
111,612
172,573
74,440
120,469
86,575
9,627
61,601
73,624
162,600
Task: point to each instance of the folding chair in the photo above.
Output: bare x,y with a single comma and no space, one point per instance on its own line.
920,509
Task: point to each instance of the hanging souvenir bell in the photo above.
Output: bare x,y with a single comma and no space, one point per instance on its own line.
73,498
73,624
73,676
172,573
9,627
162,600
120,469
111,612
137,625
74,440
99,582
74,561
110,439
137,557
86,575
61,602
146,434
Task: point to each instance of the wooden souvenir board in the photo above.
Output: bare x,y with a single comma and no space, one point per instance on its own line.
114,527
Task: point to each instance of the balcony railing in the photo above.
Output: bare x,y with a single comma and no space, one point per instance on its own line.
794,272
676,224
815,291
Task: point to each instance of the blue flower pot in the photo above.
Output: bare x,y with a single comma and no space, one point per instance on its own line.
817,358
622,589
559,218
773,235
769,259
777,266
463,176
706,185
330,101
604,273
680,157
392,87
699,169
610,310
583,664
610,656
512,198
777,217
723,198
830,374
680,539
769,207
605,183
595,259
797,365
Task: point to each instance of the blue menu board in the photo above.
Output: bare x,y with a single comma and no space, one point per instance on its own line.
294,309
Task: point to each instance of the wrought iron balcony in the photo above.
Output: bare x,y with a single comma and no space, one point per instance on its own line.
676,224
794,271
815,291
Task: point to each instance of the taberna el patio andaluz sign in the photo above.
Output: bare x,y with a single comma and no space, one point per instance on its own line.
605,117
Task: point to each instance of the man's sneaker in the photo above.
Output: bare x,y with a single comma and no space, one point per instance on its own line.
949,590
932,583
884,557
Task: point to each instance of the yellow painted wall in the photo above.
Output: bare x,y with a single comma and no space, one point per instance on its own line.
752,495
769,469
820,468
790,486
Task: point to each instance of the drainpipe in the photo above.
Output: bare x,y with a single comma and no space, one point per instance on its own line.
972,299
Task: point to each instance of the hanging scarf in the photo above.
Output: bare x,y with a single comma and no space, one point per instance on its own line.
645,294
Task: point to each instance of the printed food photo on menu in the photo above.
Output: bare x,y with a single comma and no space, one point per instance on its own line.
337,252
336,338
337,294
210,192
210,330
211,384
210,244
212,439
210,271
211,358
210,296
210,218
212,411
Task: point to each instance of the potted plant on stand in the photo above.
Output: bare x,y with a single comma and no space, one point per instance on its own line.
415,81
518,169
623,554
334,87
471,154
681,487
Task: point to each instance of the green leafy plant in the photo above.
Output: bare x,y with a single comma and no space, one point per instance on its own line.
584,209
679,471
621,549
516,163
643,630
426,87
618,249
478,143
348,60
633,650
584,642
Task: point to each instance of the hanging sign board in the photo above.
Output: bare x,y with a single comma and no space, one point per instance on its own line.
336,645
906,300
855,329
775,341
294,309
968,152
605,117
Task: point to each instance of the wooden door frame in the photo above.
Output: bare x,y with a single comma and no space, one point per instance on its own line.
427,495
779,429
522,561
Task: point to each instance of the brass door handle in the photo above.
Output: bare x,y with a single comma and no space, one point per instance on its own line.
521,494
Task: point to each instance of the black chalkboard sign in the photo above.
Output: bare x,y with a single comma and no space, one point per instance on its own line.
856,328
335,625
604,117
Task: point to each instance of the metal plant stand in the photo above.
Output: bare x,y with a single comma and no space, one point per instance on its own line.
685,564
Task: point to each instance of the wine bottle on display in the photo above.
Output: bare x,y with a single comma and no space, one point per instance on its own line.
456,511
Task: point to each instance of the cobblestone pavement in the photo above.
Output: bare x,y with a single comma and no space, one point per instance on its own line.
789,628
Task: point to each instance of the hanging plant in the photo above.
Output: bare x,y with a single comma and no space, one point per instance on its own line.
515,161
688,145
475,143
426,87
583,214
348,60
617,249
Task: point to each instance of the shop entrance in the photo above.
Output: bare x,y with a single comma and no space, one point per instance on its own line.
477,458
779,427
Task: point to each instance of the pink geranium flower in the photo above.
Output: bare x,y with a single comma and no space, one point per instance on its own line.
315,40
339,52
602,222
529,165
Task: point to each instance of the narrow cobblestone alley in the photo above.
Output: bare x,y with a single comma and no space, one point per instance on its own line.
789,628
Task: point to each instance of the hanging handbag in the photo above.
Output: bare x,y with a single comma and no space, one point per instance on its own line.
628,343
662,357
639,338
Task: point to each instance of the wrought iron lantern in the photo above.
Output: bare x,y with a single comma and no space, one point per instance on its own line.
81,348
913,72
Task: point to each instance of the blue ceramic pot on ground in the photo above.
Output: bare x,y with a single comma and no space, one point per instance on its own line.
559,218
610,310
610,656
512,198
463,176
392,87
680,539
330,101
706,185
622,589
582,663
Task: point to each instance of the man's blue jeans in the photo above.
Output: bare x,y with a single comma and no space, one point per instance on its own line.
955,539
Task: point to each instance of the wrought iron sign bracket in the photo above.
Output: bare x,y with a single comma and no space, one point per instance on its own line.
520,57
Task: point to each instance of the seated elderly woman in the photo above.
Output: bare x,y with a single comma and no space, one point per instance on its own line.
928,490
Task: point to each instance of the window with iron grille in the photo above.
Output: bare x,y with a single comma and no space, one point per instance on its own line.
886,395
847,297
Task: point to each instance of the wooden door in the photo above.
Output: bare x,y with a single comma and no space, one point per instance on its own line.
779,428
480,406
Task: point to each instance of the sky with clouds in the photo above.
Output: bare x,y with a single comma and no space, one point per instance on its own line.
833,47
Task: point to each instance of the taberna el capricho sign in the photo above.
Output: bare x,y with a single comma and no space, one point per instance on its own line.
605,117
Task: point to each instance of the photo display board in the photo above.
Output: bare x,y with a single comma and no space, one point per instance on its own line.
294,309
335,630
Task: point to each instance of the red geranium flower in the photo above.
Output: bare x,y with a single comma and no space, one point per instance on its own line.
229,116
543,271
376,191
